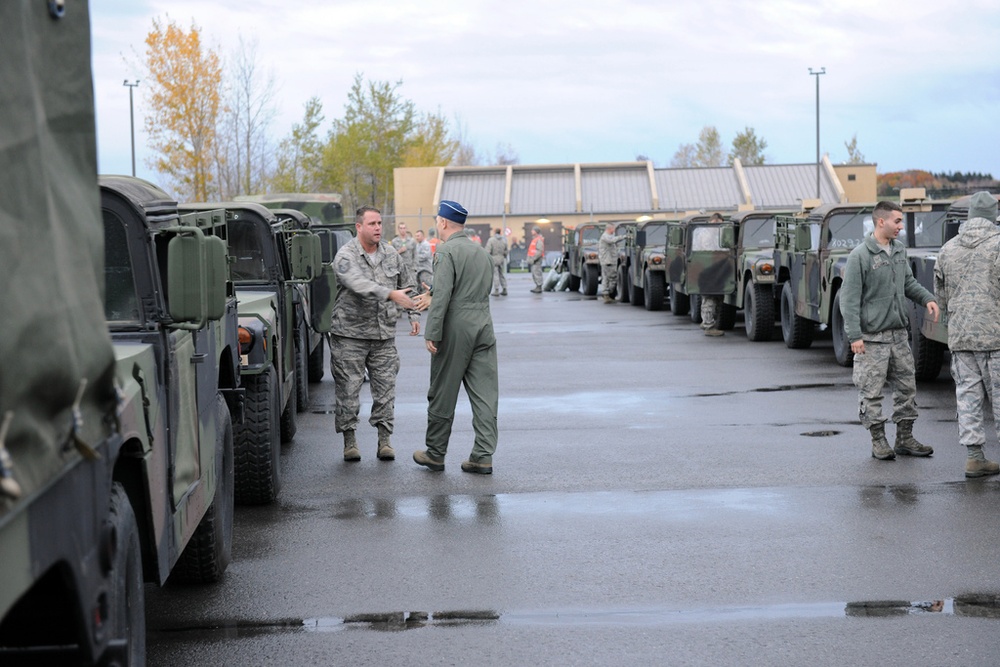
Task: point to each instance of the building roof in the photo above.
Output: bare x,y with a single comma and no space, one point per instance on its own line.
542,191
776,186
698,189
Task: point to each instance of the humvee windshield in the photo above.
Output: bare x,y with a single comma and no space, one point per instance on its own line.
928,229
247,250
591,235
120,301
758,232
847,230
656,235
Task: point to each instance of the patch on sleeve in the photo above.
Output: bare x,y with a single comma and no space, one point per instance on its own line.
344,265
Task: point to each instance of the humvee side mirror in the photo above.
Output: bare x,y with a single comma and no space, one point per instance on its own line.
306,256
803,238
640,238
676,236
727,237
187,279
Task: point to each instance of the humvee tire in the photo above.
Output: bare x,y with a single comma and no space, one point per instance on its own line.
574,282
637,296
209,551
302,369
841,346
679,303
624,288
257,446
655,291
727,316
591,276
928,355
316,362
289,422
694,301
796,331
758,309
127,605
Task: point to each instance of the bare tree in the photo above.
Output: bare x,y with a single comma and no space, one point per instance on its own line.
854,156
506,155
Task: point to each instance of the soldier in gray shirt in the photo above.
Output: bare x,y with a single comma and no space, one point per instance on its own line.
374,282
405,246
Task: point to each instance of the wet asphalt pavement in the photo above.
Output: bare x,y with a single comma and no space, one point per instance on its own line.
659,497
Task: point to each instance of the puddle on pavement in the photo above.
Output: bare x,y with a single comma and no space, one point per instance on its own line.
976,605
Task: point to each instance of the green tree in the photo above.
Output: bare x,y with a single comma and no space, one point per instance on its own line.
854,156
299,165
431,144
183,99
748,147
706,153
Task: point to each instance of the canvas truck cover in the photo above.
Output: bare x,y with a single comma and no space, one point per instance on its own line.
55,341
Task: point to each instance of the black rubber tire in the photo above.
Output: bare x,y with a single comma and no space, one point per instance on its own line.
591,279
841,346
574,283
796,331
257,445
680,303
694,303
727,316
928,355
289,421
624,291
207,555
302,369
316,368
126,603
637,296
758,312
656,290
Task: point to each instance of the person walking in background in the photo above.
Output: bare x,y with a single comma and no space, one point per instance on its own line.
424,262
536,253
607,252
497,249
459,335
967,286
873,297
711,304
404,244
374,282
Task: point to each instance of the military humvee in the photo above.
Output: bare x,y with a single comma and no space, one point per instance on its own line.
646,268
270,259
676,262
580,257
810,258
703,262
322,208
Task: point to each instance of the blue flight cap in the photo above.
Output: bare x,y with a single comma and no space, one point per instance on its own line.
453,211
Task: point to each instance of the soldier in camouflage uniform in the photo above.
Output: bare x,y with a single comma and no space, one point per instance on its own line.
967,285
462,344
496,246
607,253
425,262
536,254
404,244
876,283
374,283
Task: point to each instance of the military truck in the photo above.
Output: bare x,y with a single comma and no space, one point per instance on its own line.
706,265
676,262
645,267
80,527
580,257
322,207
269,260
810,259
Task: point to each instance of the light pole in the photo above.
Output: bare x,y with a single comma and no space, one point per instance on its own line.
821,70
131,117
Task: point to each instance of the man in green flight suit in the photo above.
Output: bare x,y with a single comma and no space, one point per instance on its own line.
459,336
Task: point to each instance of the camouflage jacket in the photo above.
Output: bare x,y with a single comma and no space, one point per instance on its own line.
407,249
425,257
496,246
967,285
363,309
876,286
607,248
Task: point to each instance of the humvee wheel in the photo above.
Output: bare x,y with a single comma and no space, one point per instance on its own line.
841,346
127,605
796,331
758,309
655,291
637,295
694,301
316,362
574,282
302,369
289,424
727,316
591,276
257,445
679,302
623,286
928,355
208,553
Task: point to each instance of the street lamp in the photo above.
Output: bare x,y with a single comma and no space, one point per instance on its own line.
821,70
131,117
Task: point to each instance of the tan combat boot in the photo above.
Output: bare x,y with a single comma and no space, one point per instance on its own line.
977,465
880,446
607,298
351,451
906,444
385,450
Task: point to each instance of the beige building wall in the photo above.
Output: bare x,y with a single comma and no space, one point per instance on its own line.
415,196
859,181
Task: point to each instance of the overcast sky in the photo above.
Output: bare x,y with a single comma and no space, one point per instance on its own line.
917,81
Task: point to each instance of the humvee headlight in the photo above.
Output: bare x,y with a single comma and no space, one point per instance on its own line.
766,268
245,337
656,259
591,255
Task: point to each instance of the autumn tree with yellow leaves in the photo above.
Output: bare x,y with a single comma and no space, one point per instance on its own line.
183,99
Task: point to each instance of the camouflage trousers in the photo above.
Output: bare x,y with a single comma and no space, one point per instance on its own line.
977,381
609,276
710,311
887,361
536,273
349,357
499,277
